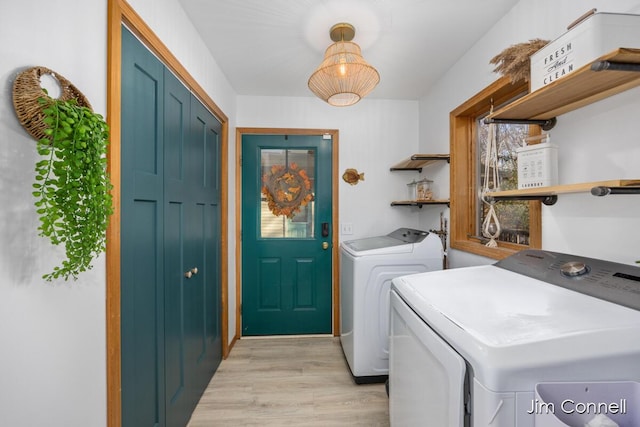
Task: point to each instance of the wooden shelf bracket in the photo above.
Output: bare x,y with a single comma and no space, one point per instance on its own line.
604,191
420,204
615,66
549,195
610,74
547,199
546,125
417,161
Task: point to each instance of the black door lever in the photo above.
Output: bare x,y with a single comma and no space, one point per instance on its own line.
325,229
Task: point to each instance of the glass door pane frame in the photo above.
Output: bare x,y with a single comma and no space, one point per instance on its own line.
289,225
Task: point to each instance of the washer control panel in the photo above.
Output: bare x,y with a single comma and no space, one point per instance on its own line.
610,281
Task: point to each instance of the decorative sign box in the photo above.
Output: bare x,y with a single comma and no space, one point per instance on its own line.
537,166
597,35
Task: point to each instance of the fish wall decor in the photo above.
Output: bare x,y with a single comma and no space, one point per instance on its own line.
352,176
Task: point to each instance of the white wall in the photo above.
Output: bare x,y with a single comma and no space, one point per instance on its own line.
597,142
374,135
52,362
52,335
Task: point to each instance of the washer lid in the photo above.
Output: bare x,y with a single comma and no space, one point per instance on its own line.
507,324
370,243
380,245
396,242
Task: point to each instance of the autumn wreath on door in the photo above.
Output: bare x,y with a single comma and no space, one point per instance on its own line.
287,189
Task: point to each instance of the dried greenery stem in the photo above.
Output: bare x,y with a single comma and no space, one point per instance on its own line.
72,187
515,62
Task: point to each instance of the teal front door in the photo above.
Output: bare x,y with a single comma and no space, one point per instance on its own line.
286,234
170,267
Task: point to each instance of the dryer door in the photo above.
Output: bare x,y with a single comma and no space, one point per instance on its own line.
426,376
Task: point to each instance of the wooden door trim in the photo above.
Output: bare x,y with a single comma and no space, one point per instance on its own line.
335,255
120,12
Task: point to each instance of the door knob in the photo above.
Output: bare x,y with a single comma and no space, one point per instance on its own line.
191,272
325,245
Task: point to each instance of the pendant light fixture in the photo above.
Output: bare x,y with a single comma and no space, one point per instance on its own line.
344,77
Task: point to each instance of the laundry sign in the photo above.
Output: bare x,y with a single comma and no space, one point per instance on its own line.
558,63
595,36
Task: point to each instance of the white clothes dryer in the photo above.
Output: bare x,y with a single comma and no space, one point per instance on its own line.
367,268
536,339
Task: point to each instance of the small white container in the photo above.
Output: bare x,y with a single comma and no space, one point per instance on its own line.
597,35
412,190
537,165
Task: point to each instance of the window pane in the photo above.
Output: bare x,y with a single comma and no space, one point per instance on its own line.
286,200
512,215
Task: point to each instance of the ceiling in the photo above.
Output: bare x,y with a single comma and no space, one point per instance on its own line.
271,47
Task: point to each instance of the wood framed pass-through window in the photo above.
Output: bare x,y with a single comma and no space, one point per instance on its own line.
520,220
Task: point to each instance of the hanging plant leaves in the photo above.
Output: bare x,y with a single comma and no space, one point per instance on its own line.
287,189
72,187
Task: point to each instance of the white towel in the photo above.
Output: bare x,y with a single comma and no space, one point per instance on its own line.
601,420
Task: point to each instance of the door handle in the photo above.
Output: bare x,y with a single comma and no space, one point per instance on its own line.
325,229
325,245
191,272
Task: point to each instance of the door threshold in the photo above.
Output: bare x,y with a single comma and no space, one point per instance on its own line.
270,337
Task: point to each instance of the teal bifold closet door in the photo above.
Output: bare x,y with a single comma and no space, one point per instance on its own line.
170,274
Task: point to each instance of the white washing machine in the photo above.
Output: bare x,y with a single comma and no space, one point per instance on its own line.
537,339
367,268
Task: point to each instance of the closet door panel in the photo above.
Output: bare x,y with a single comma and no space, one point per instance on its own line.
142,300
204,178
177,110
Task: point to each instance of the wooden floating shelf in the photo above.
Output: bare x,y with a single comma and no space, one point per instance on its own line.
578,89
418,161
420,203
564,189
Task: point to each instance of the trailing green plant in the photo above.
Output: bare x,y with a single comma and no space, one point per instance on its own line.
72,186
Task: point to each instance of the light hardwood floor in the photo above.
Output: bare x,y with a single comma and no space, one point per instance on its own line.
298,381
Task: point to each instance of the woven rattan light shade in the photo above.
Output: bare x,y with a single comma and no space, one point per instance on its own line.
344,77
27,90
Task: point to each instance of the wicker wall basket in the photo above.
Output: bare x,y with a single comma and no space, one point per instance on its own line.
27,90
